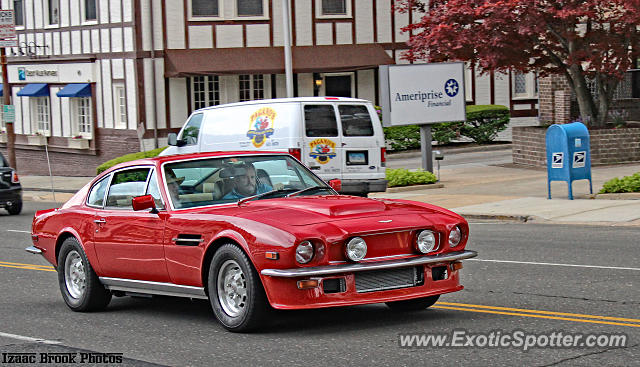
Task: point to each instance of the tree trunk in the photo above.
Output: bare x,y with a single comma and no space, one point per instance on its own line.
606,86
588,110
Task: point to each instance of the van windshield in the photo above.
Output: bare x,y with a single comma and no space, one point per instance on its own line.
215,181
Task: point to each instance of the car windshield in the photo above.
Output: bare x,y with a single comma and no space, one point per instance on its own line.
231,179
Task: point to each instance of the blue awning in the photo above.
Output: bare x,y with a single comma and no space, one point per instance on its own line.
75,90
34,90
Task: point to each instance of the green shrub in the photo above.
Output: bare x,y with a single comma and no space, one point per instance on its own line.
403,137
128,157
484,122
404,177
625,184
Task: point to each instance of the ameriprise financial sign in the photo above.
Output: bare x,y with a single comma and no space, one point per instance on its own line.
422,94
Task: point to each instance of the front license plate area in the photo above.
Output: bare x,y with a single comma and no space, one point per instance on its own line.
358,158
381,280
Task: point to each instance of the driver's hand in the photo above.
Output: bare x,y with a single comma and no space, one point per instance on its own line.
278,186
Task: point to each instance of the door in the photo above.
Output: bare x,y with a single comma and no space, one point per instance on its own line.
190,134
129,243
361,148
322,149
337,85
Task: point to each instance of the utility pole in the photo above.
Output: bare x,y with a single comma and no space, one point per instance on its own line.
7,39
288,68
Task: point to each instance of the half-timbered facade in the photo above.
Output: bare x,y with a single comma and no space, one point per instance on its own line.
88,73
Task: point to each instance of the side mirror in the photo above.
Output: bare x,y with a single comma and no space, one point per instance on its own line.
335,184
144,202
172,139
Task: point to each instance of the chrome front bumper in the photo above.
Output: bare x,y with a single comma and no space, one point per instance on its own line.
350,268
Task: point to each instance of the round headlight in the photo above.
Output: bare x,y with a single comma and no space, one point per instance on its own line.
426,241
356,249
304,252
455,236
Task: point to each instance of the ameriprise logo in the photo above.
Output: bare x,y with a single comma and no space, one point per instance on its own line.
433,98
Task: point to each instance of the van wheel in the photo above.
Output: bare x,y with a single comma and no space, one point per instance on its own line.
235,291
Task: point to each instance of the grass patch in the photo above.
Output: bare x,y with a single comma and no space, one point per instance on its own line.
624,184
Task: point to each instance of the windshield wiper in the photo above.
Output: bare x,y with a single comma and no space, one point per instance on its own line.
311,188
259,196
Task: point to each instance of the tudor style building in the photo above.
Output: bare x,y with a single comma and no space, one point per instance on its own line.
88,73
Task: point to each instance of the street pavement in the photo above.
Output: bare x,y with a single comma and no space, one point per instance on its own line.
476,184
535,278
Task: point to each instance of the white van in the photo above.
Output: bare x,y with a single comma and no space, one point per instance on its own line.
335,137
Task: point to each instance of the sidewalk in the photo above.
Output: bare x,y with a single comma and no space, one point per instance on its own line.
477,191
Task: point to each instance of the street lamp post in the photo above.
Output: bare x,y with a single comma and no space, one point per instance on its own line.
288,69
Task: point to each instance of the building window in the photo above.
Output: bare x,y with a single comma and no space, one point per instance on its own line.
41,115
251,87
83,121
524,85
334,7
90,11
250,8
206,91
204,8
54,11
18,12
120,106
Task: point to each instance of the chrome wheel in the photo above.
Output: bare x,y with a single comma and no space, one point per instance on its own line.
232,288
75,275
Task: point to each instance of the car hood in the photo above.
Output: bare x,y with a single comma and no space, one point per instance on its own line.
300,211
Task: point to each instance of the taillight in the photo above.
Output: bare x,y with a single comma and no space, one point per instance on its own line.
14,178
296,152
383,157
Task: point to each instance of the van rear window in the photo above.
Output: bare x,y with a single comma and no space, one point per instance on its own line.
355,121
320,120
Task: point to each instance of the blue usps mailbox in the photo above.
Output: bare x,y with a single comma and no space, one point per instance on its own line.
568,155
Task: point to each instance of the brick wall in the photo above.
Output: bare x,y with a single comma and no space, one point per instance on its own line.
110,143
608,146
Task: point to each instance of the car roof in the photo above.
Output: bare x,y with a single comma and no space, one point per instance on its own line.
181,157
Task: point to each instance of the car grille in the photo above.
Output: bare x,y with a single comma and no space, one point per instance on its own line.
380,280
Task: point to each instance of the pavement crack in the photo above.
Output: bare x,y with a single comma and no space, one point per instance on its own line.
575,298
588,354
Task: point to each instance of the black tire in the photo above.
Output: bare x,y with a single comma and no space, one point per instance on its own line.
15,208
252,306
93,296
413,304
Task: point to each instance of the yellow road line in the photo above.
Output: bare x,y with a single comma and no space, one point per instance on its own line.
534,315
9,263
28,267
539,311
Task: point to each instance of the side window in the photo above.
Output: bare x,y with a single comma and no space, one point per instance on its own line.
125,186
320,120
192,129
154,190
96,195
355,121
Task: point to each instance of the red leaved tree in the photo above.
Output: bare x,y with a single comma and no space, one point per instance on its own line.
597,40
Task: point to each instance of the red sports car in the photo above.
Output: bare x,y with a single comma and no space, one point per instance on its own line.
248,231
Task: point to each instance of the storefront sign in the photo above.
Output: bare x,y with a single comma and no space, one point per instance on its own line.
422,94
51,73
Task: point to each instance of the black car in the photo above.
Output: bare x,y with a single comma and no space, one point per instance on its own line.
10,189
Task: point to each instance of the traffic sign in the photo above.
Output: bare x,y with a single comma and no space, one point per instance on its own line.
9,113
7,29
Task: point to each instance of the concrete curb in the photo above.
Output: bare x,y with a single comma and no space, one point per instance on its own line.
516,218
482,148
43,189
616,196
414,188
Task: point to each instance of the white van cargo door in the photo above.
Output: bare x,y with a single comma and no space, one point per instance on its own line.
322,149
361,142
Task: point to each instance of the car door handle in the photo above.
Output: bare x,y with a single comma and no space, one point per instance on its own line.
100,221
